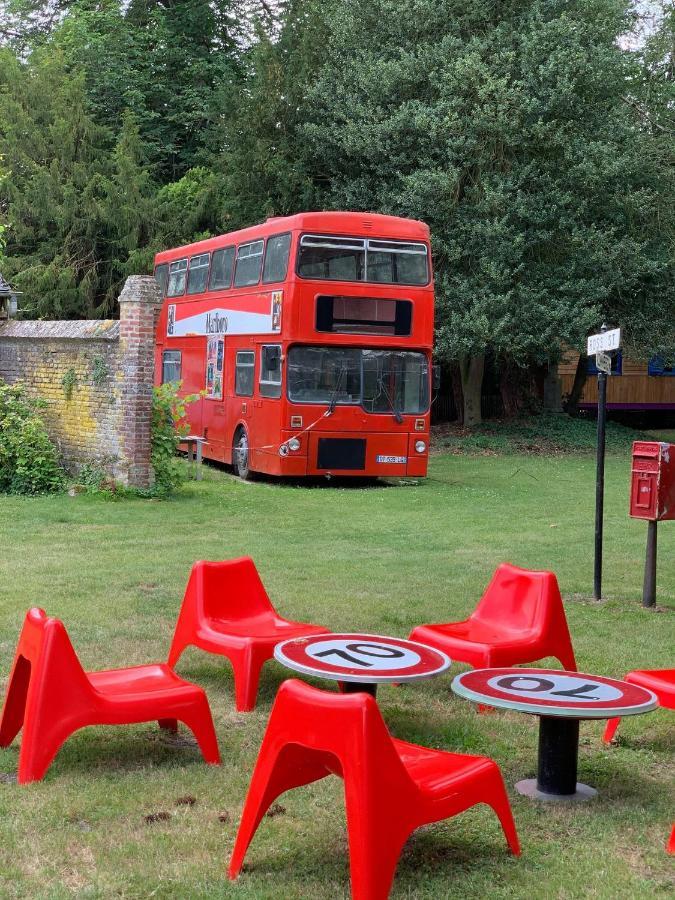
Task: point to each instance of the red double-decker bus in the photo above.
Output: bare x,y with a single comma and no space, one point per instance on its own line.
309,338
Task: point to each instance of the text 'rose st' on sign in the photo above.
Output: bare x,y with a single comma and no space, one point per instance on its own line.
603,342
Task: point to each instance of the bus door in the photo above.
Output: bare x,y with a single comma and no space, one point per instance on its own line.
213,402
268,408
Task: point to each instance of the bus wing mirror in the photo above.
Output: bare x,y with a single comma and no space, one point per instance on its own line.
436,377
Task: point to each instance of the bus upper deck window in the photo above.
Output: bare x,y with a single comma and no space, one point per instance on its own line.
249,263
177,278
393,262
221,269
198,274
332,258
162,276
276,258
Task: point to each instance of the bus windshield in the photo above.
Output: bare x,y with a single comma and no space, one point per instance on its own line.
329,258
380,381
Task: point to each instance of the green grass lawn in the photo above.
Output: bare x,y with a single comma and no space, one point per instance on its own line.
379,559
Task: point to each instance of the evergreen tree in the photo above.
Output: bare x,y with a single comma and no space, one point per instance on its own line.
504,127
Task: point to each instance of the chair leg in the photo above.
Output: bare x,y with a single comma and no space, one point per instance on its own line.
200,722
178,644
374,849
276,772
246,669
495,796
38,751
610,729
15,702
565,656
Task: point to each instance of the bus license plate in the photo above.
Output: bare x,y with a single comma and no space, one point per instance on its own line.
391,459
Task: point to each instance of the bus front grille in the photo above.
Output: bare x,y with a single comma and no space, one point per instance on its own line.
341,453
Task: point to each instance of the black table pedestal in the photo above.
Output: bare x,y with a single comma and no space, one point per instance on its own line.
557,763
358,687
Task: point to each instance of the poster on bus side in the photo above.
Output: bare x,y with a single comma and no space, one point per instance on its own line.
215,354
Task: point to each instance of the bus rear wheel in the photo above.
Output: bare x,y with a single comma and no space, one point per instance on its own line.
241,455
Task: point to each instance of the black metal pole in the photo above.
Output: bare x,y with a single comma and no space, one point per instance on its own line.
358,687
600,484
649,584
558,755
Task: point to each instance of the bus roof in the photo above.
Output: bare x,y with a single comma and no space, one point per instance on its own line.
352,223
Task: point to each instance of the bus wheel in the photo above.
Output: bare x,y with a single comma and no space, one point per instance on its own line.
240,455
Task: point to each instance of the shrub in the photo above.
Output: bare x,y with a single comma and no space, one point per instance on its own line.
28,458
168,429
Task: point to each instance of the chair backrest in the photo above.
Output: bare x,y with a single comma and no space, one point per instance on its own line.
45,645
519,599
347,726
229,590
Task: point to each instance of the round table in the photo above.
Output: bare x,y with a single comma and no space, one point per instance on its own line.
361,661
560,699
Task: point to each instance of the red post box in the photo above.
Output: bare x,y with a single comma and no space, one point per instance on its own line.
652,489
652,497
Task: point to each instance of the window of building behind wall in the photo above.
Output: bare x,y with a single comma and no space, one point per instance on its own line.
170,366
243,374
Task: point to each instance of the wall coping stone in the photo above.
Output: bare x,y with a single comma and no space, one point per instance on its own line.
92,329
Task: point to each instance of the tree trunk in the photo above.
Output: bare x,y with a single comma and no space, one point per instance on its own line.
574,396
518,387
471,369
457,395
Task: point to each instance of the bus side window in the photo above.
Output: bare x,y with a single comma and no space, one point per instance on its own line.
177,278
198,274
170,366
243,373
270,370
221,269
276,258
249,264
162,276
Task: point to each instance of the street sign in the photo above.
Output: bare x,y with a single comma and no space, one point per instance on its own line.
606,340
603,362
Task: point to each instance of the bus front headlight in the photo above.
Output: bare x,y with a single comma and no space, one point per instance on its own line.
420,446
293,444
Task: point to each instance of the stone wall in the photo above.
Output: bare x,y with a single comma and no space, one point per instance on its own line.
96,378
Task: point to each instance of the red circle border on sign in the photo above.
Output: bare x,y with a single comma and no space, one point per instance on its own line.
474,685
293,653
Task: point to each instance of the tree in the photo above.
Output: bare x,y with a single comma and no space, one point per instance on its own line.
76,202
265,154
505,128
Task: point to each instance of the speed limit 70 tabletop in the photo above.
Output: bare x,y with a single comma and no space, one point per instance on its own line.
361,661
560,699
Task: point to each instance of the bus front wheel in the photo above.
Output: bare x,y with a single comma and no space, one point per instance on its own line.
241,455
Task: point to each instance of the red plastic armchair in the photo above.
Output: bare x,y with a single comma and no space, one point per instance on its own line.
391,787
660,681
226,610
519,619
50,695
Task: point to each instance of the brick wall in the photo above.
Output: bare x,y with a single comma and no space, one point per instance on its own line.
96,378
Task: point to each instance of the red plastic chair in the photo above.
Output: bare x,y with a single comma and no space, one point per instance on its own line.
51,696
226,610
660,681
519,619
391,787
